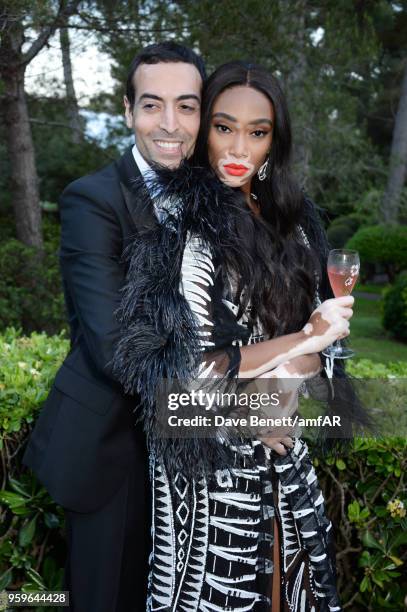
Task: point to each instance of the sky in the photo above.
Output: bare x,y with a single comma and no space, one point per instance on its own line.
91,68
91,74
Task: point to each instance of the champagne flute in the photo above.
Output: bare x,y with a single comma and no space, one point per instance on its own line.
343,272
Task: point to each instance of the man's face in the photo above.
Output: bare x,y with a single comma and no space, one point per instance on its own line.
166,114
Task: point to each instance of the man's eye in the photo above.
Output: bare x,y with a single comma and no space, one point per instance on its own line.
188,108
222,128
150,106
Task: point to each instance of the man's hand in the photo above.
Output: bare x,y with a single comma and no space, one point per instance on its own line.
279,445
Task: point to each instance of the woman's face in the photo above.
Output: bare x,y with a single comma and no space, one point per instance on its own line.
240,134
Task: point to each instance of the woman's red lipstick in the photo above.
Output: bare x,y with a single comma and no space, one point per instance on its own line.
236,169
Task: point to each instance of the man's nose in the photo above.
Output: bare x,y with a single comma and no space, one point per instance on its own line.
169,120
239,146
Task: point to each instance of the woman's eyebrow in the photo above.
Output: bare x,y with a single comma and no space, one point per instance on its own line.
263,120
221,115
224,116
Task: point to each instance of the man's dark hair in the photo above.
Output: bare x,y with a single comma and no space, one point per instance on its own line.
162,52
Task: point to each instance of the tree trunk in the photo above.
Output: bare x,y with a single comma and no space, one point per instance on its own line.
75,120
20,149
398,159
294,90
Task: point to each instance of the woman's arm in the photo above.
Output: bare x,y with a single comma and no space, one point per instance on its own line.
302,368
327,323
264,357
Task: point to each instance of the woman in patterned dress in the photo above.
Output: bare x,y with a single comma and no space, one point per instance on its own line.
229,284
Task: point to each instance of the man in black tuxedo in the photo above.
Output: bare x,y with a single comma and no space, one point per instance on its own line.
85,447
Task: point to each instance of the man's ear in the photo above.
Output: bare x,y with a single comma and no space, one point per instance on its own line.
128,112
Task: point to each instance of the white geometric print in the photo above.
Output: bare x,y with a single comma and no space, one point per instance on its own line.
213,539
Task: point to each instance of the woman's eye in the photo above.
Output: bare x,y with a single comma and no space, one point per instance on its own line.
222,128
259,133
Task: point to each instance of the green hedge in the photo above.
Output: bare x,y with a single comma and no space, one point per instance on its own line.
366,500
364,490
30,289
338,235
382,244
395,308
32,544
343,228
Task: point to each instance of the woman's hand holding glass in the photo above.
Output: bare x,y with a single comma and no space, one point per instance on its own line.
343,271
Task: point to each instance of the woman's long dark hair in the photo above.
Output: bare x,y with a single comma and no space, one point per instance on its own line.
277,270
281,282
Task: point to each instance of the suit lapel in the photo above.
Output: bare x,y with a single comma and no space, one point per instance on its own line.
141,210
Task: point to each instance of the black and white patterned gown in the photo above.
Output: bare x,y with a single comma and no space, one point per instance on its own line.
213,537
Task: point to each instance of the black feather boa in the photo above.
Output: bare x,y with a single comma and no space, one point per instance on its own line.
160,338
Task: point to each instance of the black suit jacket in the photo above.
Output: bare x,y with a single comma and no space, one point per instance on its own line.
85,439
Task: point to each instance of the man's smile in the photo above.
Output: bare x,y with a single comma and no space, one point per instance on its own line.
169,146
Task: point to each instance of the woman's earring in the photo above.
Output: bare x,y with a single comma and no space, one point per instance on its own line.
262,172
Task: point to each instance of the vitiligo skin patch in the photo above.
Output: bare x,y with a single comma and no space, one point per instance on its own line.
326,324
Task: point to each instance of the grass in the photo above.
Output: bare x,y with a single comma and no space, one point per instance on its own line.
368,338
369,288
